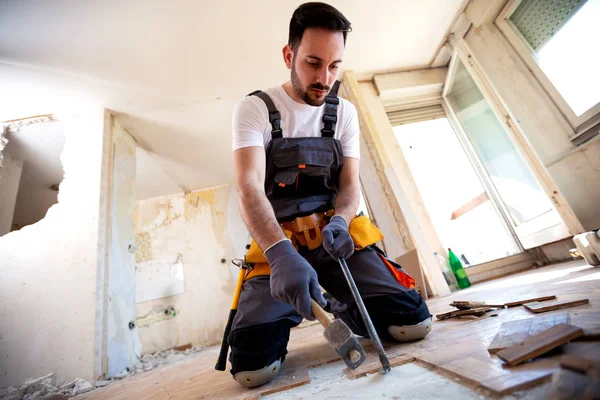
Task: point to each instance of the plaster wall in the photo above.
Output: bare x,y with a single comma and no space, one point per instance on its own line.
198,230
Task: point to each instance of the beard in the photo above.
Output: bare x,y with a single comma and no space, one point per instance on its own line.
307,95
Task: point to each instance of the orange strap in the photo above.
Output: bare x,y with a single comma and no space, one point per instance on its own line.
402,278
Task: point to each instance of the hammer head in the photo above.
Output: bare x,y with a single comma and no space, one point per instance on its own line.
343,341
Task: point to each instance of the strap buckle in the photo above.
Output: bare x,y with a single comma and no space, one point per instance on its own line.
240,263
332,100
276,123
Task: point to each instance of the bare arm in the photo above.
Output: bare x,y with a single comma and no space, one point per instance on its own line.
348,199
256,210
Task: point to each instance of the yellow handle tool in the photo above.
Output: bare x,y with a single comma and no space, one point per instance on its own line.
222,360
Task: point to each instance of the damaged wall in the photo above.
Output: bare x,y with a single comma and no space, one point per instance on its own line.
10,176
48,271
38,143
575,170
181,242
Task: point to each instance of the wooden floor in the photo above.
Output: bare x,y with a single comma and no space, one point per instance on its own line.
456,347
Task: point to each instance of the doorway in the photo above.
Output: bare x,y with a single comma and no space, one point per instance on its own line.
465,218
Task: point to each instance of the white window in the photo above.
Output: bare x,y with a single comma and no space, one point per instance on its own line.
559,39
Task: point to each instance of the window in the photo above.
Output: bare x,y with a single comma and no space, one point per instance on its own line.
558,39
447,181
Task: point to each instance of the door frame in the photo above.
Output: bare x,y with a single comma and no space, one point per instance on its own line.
571,224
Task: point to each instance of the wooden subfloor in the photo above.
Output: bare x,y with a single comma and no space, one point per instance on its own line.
456,347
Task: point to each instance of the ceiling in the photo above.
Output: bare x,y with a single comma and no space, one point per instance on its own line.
172,71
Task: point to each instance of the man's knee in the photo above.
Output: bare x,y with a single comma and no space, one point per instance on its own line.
405,317
405,309
409,333
258,351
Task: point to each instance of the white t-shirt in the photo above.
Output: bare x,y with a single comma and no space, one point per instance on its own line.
251,126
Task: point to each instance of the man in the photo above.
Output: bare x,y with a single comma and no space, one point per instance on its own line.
296,157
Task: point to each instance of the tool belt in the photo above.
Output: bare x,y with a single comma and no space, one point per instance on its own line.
306,231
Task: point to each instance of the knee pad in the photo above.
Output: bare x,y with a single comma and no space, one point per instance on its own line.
250,379
407,333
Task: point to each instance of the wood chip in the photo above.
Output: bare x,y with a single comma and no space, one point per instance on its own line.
518,303
538,307
468,317
539,344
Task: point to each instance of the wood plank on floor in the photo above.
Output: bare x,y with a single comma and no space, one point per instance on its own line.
541,343
535,299
513,332
588,320
537,307
522,378
372,365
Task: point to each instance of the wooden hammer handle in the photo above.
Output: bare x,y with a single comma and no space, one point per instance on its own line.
320,314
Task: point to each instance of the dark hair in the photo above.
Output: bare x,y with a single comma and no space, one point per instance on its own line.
316,15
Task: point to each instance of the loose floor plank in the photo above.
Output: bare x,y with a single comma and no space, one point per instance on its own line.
514,332
539,344
372,365
587,320
537,307
578,363
473,304
472,311
519,302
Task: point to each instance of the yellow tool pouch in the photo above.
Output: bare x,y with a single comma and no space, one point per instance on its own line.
363,232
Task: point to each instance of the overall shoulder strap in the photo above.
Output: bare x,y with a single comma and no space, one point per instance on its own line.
330,115
274,116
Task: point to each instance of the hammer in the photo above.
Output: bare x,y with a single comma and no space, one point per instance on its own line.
340,337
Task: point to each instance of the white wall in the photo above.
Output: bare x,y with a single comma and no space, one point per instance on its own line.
575,170
48,270
203,227
10,176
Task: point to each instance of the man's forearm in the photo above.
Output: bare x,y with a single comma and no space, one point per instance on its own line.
259,217
347,202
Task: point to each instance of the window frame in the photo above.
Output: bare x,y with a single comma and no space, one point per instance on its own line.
581,123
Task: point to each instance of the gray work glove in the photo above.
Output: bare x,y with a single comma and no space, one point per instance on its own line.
336,238
293,279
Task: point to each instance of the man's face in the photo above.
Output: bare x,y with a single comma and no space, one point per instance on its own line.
315,64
